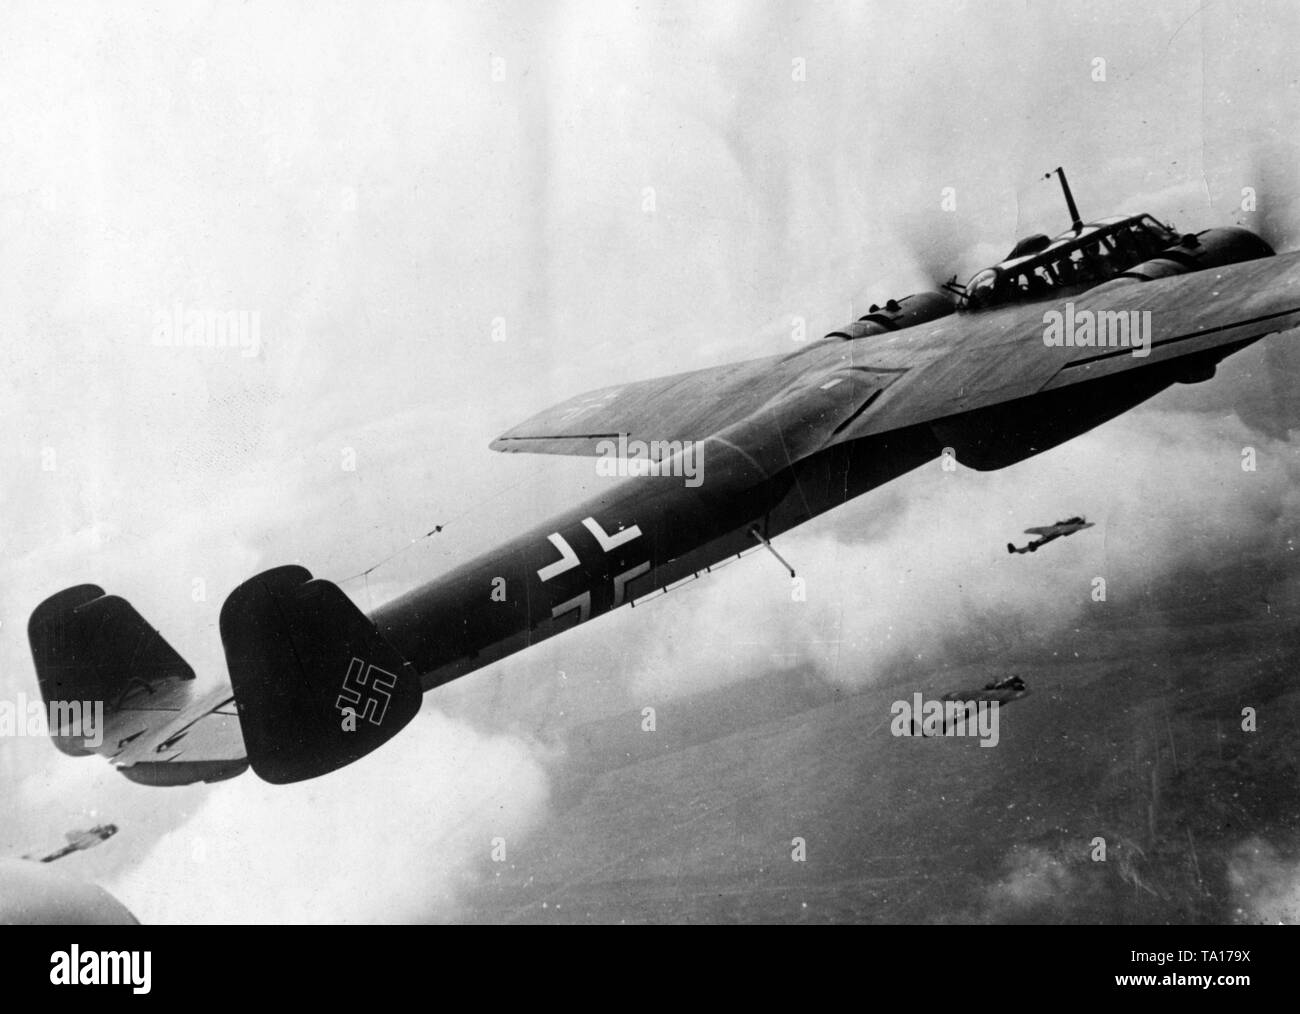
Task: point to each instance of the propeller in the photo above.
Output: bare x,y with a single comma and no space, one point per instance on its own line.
1269,201
904,254
937,242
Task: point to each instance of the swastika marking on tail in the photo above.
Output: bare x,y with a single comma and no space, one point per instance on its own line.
369,683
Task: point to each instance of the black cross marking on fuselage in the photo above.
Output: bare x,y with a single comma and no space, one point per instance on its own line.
600,561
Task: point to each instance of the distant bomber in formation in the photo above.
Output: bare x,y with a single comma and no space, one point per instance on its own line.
1003,691
1046,533
79,841
33,894
1000,692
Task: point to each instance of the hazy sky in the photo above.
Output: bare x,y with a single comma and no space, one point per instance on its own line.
627,190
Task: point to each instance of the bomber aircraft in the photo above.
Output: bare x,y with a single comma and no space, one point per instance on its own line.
1004,691
986,373
1046,533
34,894
79,841
1000,692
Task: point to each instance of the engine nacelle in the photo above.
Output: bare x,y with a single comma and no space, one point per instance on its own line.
1211,248
900,313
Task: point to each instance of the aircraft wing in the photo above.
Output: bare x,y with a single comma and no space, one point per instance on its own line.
37,895
118,689
684,406
1041,530
942,374
999,357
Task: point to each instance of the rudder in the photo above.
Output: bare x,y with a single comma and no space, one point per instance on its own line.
91,646
317,685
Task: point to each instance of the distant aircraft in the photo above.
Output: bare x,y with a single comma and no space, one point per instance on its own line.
967,374
1002,692
1047,533
31,894
79,841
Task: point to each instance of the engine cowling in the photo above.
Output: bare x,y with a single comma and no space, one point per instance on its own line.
1211,248
897,314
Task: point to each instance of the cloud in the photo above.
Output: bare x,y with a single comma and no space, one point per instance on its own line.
1265,886
396,837
1037,882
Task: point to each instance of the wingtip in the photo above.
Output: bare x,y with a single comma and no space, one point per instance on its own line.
505,444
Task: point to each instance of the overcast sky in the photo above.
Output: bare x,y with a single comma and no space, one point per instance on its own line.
627,190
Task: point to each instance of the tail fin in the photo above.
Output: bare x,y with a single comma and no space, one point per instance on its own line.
113,686
1011,548
317,685
92,647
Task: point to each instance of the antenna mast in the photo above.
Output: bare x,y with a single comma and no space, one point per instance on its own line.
1076,222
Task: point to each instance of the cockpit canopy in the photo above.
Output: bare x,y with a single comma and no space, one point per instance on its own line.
1098,251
